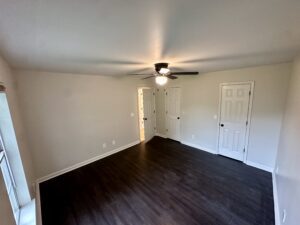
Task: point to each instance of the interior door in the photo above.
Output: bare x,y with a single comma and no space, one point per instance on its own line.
149,113
235,99
173,113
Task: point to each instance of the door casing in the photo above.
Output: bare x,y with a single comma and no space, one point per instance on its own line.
251,83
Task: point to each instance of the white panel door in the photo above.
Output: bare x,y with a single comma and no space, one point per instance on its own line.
149,113
173,113
235,101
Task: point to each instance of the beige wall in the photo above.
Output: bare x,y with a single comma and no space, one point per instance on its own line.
199,105
69,116
288,176
17,148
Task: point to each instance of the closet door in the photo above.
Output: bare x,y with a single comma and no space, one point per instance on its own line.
173,113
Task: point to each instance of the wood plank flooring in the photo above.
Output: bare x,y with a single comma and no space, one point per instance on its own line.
160,183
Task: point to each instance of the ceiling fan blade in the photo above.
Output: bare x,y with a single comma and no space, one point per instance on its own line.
148,77
172,77
108,61
140,74
184,73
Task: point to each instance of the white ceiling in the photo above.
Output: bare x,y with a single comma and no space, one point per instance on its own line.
116,37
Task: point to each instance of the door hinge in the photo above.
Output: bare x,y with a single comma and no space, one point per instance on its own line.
244,150
153,93
166,93
167,112
249,92
154,111
246,123
167,130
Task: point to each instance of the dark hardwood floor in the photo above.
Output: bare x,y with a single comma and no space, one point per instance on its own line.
160,183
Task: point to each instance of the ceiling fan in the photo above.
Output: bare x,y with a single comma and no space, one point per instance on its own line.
163,73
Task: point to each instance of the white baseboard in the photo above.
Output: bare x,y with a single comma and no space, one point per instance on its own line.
199,147
259,166
160,135
78,165
276,203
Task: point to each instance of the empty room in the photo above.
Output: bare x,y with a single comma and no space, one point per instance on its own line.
132,112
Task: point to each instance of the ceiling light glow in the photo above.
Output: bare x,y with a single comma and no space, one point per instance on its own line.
164,71
161,80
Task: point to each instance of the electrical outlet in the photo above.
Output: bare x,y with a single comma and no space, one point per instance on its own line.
284,216
104,145
113,142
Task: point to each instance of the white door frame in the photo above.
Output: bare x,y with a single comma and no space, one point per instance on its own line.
248,117
138,110
165,100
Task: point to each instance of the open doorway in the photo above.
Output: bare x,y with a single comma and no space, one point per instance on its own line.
146,110
141,114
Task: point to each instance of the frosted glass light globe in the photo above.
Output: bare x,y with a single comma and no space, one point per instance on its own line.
161,80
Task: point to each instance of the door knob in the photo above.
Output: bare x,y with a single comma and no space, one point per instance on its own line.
178,118
222,125
144,118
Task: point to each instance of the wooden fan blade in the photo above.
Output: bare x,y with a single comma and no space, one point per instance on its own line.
148,77
184,73
172,77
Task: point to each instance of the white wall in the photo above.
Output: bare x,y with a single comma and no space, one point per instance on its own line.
69,116
200,100
17,149
288,158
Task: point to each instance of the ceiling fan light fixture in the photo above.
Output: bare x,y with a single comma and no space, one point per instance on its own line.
161,80
164,71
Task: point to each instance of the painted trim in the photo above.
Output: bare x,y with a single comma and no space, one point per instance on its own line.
249,117
260,166
199,147
38,208
78,165
275,197
161,135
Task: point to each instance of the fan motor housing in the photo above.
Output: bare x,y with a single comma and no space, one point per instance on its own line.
158,66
